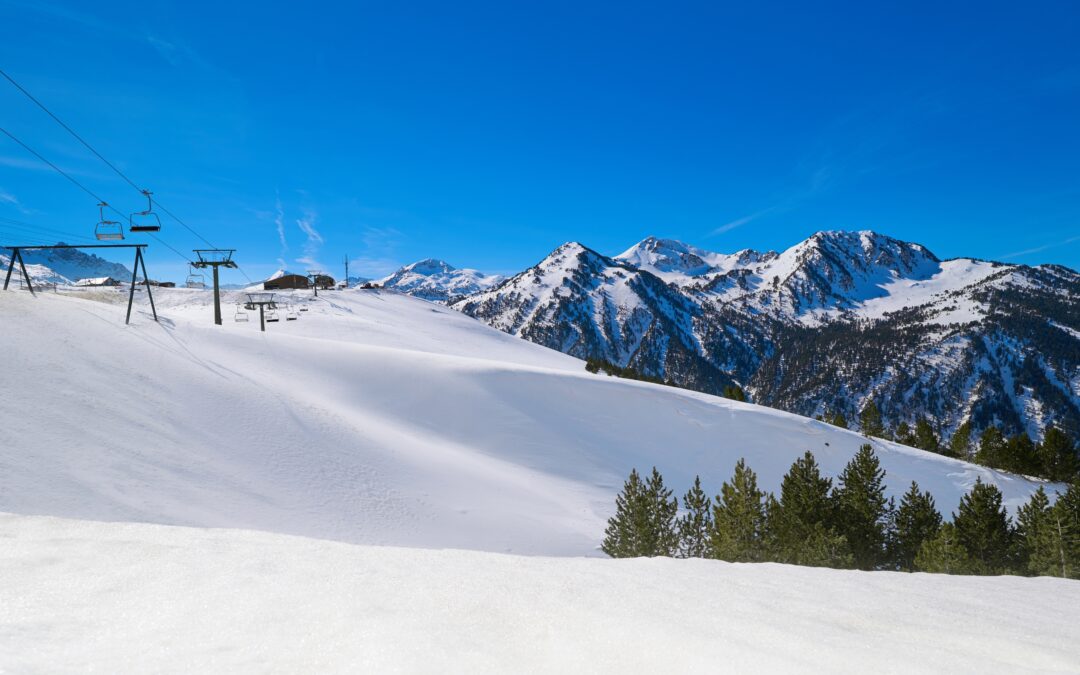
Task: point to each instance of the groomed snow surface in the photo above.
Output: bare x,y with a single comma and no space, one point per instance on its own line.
382,419
117,598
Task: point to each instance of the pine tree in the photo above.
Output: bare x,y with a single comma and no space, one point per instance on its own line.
801,522
1059,458
925,437
992,446
943,554
739,524
622,536
1065,529
643,524
734,392
960,444
1021,455
696,522
837,419
1033,540
663,536
862,512
915,522
983,528
870,421
903,435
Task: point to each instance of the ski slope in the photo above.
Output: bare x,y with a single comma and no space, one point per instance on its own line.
119,598
376,418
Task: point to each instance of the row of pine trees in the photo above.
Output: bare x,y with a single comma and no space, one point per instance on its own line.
1055,458
850,525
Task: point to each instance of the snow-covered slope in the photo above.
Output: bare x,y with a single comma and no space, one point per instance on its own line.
73,264
375,418
438,281
120,598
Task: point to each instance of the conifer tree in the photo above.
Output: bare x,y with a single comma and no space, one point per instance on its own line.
696,522
903,435
734,392
1065,527
870,421
663,536
1034,541
992,446
837,419
983,528
925,438
1059,458
739,524
915,522
943,554
960,444
800,523
643,524
1021,456
862,512
622,538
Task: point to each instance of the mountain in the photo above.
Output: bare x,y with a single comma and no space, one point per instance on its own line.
70,265
832,323
438,281
376,418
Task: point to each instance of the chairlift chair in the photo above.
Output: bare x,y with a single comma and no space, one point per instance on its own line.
195,279
107,230
240,316
145,221
271,315
290,313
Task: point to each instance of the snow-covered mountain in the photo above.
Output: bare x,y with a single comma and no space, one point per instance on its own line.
832,323
376,418
68,265
438,281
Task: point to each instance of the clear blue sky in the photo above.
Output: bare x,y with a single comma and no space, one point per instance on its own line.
488,133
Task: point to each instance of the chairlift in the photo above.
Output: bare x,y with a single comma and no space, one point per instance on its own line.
290,313
107,230
271,315
145,221
195,279
241,316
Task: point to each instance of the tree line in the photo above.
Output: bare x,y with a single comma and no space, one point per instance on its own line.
849,525
1055,458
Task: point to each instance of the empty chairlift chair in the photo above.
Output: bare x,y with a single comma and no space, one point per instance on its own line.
290,313
107,230
271,315
240,316
195,279
145,221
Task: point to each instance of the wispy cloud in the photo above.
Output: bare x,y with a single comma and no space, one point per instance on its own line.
314,242
1040,249
739,222
279,223
8,198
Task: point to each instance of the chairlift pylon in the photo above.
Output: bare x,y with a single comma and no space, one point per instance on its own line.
107,230
145,221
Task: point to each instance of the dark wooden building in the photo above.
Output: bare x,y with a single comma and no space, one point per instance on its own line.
285,282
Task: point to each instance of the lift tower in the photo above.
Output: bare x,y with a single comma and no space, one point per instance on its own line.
215,258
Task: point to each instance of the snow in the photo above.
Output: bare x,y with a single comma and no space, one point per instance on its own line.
121,598
438,281
376,418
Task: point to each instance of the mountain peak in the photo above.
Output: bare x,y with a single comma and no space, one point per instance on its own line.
429,266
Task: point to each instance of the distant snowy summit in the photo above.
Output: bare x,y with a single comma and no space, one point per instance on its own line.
67,266
438,281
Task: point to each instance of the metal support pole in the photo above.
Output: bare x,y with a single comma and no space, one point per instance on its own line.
131,293
217,298
146,277
26,275
262,319
11,266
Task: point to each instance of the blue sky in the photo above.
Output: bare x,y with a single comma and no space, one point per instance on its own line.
489,133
